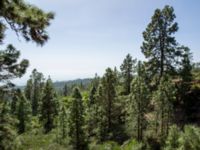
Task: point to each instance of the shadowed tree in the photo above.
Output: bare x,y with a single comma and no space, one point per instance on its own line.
49,106
164,98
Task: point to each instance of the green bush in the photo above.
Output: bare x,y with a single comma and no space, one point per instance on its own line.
132,145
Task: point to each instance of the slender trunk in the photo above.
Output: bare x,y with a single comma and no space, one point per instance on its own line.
162,121
138,128
161,59
129,82
162,49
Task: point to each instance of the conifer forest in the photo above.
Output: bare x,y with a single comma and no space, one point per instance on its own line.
148,104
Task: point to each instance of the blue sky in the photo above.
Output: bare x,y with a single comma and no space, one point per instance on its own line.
87,36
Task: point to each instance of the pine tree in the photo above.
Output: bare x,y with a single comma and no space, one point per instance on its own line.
23,113
160,46
184,85
186,66
10,68
108,86
92,96
14,101
164,98
65,90
29,90
76,122
95,81
25,19
100,115
34,90
7,128
127,69
140,98
91,113
49,107
111,109
62,122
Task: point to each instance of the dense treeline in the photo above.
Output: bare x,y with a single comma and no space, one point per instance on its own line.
151,104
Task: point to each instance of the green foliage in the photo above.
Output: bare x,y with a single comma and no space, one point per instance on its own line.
76,122
62,123
132,145
196,71
92,113
10,68
23,113
65,90
29,140
164,98
127,70
110,145
14,101
7,128
100,117
49,106
30,22
140,99
99,112
24,19
186,66
110,126
34,90
188,139
95,81
160,46
28,90
172,141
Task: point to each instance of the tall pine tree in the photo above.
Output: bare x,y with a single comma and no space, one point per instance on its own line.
91,112
49,106
34,90
76,122
110,122
159,46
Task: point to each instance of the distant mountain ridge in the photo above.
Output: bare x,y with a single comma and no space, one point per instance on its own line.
60,84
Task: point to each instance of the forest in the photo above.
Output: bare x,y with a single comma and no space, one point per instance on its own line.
152,104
